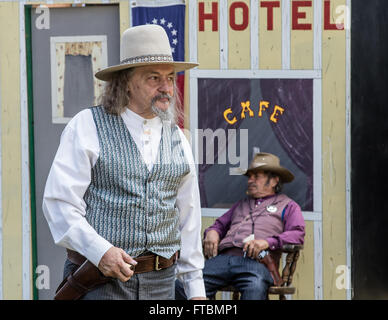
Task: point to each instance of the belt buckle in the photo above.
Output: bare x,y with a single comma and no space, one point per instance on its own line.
157,268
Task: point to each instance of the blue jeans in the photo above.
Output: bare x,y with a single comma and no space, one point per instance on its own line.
250,277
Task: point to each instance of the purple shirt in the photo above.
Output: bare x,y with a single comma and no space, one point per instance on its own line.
293,222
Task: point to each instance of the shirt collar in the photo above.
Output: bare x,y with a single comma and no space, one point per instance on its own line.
137,121
263,198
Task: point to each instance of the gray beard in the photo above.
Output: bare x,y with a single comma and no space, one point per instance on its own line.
165,115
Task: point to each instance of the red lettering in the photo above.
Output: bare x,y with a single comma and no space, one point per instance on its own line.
213,16
232,16
296,15
328,25
270,5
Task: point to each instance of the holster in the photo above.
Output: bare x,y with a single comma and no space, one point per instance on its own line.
80,281
86,277
273,268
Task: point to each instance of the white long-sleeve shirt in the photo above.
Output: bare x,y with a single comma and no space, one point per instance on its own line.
70,176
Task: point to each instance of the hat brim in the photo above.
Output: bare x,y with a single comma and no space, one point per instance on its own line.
284,174
107,73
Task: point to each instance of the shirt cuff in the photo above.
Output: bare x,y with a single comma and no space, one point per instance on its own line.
194,288
209,229
97,249
273,243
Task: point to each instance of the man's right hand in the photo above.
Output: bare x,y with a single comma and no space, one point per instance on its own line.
210,244
116,263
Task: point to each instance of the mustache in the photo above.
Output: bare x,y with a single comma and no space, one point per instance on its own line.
161,96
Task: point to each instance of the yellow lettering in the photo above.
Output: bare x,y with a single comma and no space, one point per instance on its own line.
275,113
246,107
264,104
229,111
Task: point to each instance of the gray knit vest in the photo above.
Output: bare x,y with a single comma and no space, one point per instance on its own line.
131,207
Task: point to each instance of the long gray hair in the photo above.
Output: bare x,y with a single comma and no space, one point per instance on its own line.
116,96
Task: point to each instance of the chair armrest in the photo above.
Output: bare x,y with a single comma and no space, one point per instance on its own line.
289,247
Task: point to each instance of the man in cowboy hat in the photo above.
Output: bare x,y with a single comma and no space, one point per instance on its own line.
263,221
122,190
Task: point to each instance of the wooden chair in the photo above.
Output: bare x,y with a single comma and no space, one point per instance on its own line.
292,255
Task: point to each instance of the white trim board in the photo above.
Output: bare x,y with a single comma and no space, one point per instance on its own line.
24,136
223,27
254,28
193,27
317,131
286,34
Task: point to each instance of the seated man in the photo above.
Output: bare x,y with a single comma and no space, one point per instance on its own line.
266,219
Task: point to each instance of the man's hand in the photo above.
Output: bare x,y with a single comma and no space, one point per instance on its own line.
254,247
117,263
210,244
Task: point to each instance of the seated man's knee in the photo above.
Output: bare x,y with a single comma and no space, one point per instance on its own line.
254,288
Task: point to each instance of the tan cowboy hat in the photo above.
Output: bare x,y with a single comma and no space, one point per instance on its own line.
141,46
269,162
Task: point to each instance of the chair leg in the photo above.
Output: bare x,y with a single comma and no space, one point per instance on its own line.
235,295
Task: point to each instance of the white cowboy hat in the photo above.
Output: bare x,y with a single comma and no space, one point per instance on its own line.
141,46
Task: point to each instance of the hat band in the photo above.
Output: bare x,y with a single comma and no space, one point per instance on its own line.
148,58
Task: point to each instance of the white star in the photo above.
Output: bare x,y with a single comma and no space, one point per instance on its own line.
175,41
162,21
172,50
155,21
169,25
174,32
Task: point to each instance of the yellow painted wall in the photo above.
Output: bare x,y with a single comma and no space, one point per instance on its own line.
239,41
270,42
124,15
11,150
333,154
209,42
302,48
